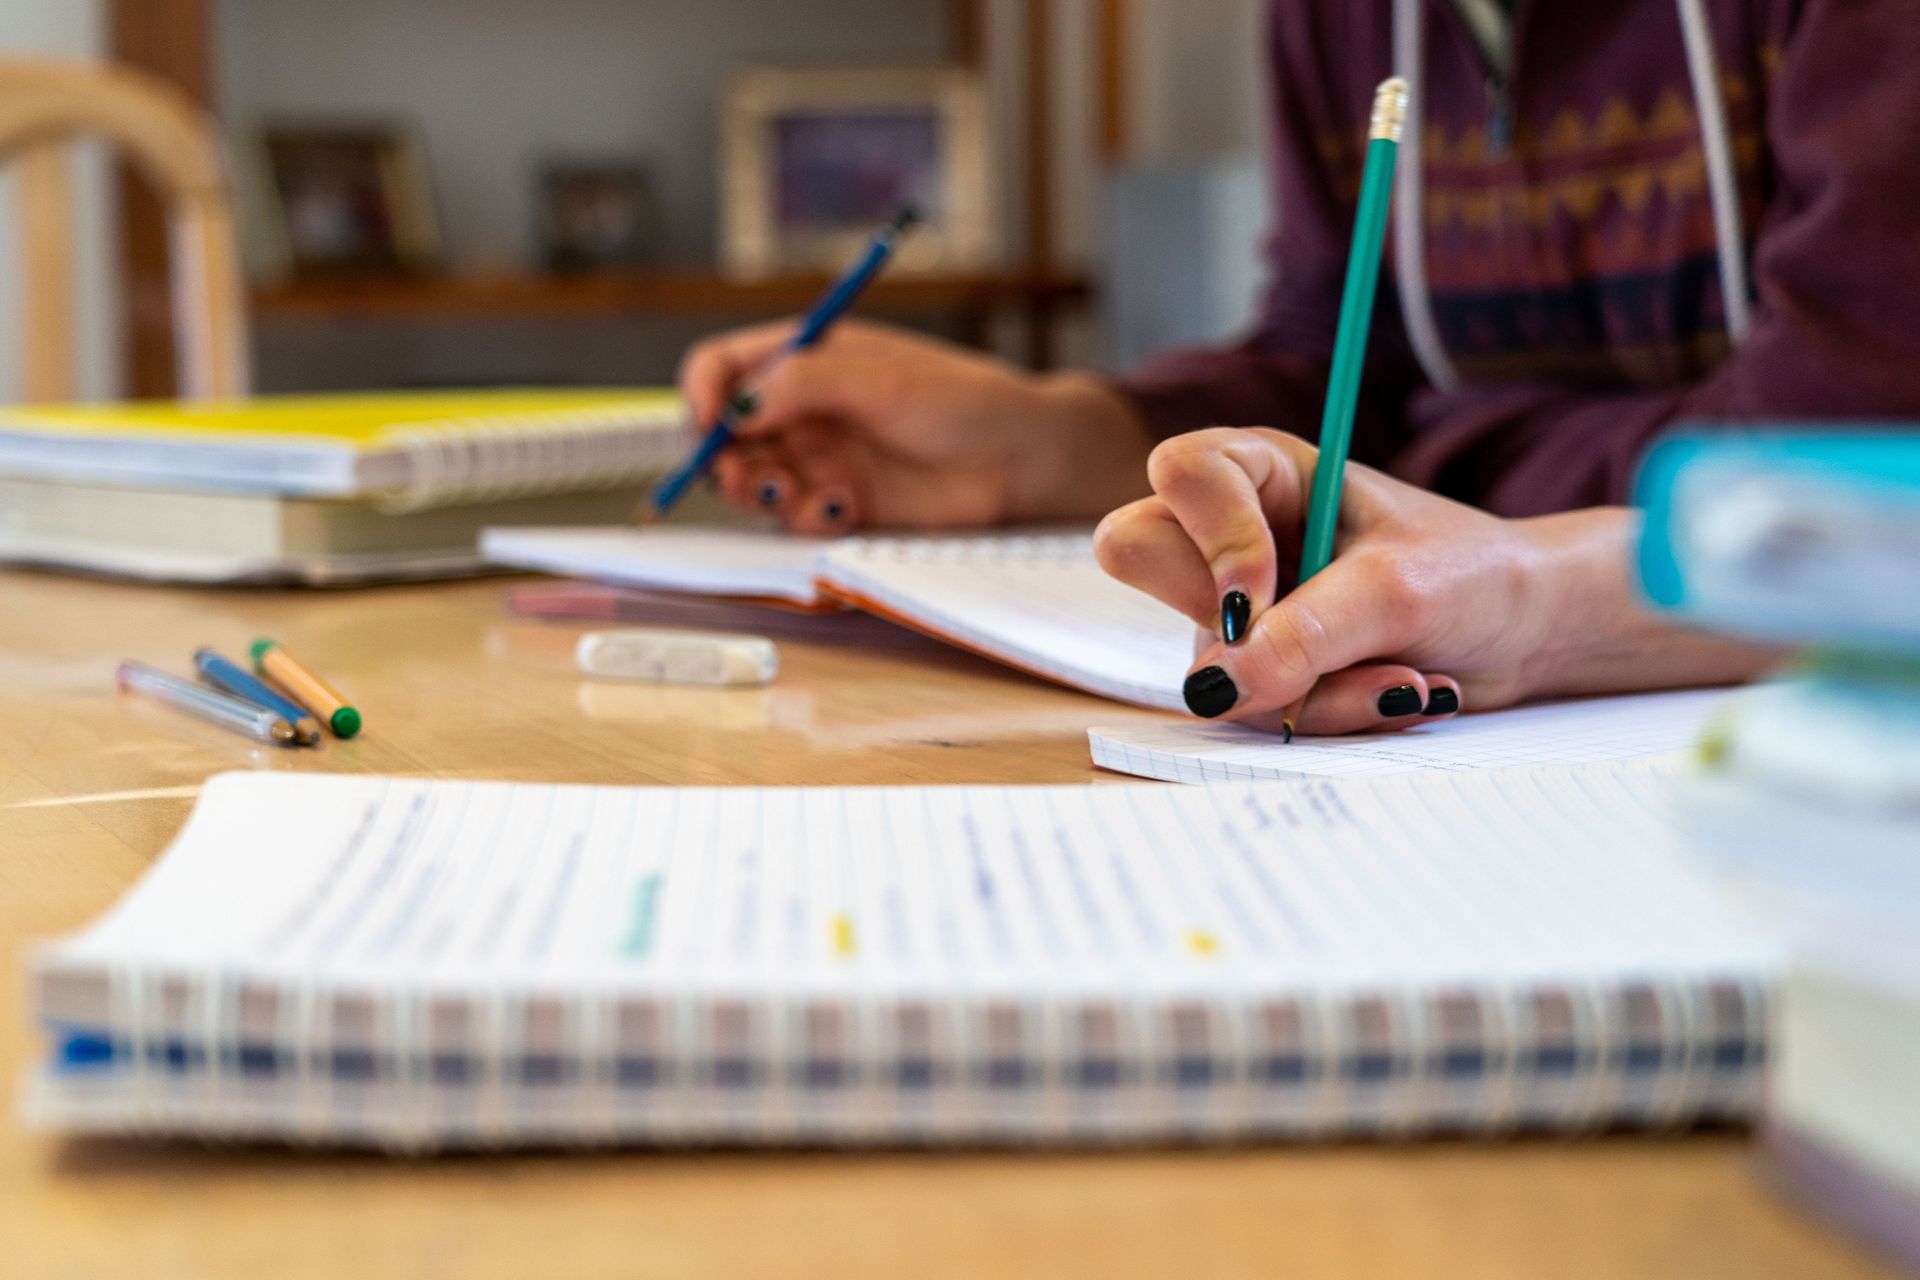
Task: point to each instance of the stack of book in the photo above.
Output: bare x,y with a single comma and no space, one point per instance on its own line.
320,489
1810,792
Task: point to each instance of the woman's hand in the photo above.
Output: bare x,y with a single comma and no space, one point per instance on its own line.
1429,606
879,427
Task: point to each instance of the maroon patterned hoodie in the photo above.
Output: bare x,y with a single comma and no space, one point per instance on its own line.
1567,296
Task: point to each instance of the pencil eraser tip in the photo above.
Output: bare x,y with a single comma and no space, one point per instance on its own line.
345,722
259,649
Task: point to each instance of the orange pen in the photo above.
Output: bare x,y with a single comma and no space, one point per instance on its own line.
274,662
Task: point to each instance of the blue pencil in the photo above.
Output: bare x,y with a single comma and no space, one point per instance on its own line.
834,303
239,682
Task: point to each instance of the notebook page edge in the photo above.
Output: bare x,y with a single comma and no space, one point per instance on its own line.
568,551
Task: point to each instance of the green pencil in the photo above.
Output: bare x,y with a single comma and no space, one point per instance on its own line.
1350,339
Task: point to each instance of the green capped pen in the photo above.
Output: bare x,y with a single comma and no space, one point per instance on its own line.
308,689
1350,339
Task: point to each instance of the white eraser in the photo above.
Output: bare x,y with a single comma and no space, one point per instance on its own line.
678,657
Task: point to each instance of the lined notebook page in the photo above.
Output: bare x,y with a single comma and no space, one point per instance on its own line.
1594,729
695,560
478,888
1041,603
431,963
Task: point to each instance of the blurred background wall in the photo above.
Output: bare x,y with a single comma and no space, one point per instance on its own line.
494,89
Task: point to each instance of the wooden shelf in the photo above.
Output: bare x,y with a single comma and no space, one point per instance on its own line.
173,39
509,295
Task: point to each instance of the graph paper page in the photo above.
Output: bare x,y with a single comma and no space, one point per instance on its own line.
1592,729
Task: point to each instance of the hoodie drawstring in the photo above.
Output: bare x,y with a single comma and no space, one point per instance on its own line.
1409,230
1409,239
1723,188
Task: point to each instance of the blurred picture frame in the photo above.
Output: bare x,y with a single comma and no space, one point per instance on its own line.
340,198
814,159
596,216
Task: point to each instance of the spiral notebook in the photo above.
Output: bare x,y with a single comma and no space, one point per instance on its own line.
319,489
1036,599
407,449
422,964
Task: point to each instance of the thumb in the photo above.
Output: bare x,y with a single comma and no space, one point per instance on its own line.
1354,610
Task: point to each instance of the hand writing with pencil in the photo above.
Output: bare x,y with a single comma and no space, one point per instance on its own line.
1427,608
876,427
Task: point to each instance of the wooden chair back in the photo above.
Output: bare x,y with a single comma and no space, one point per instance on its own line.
45,106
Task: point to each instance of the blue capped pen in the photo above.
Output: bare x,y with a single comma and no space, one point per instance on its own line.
241,683
834,303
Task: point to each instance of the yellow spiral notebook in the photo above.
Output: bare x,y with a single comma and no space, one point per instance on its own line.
409,449
319,488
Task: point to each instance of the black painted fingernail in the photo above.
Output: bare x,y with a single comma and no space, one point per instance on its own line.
1235,611
769,494
1401,701
833,510
1210,692
1442,701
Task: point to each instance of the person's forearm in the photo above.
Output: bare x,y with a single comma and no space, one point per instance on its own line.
1089,454
1597,635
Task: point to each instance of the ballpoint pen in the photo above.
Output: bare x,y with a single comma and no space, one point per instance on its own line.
235,680
217,708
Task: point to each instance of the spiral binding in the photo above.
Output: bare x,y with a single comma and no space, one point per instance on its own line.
1094,1067
480,459
1001,1062
218,1023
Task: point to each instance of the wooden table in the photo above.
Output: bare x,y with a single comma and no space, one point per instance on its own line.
92,786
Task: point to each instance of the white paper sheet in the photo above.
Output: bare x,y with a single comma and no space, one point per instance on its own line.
399,960
696,560
1034,599
1591,729
1041,603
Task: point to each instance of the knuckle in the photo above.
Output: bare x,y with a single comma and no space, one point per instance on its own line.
1288,448
1399,585
1120,540
1172,464
1246,564
1186,460
1292,458
1201,486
